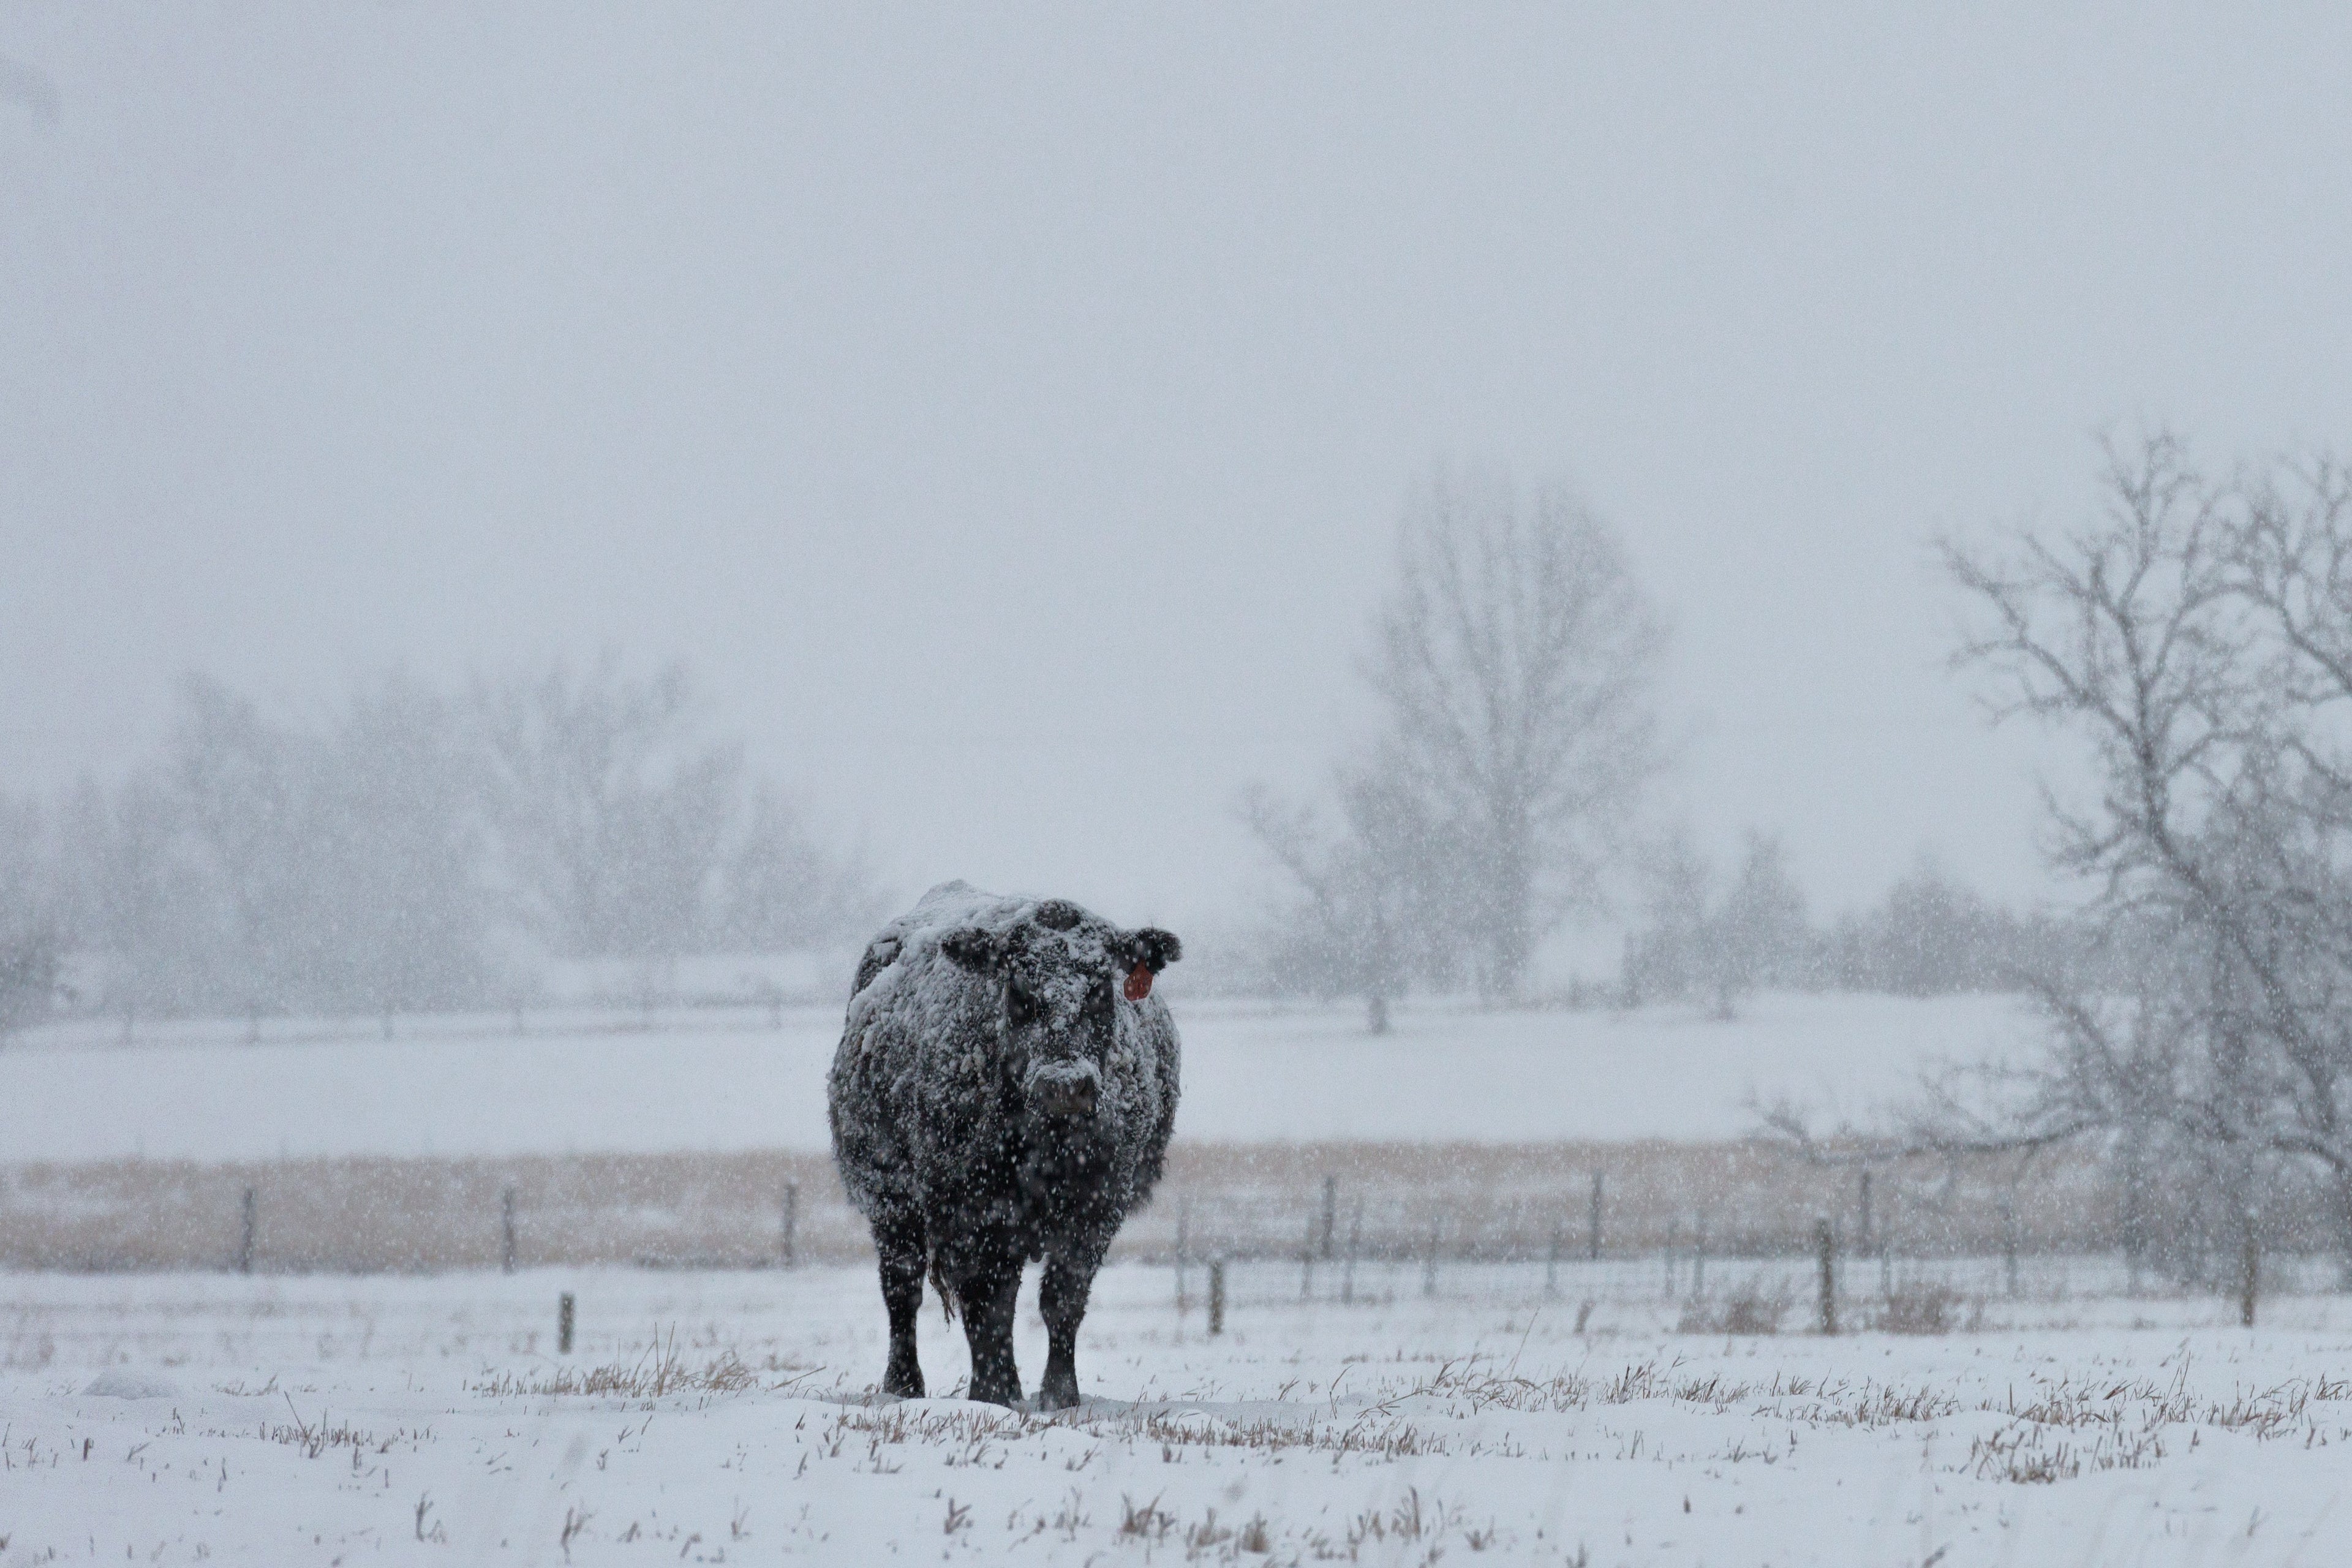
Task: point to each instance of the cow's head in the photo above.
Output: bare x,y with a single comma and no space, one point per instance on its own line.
1061,977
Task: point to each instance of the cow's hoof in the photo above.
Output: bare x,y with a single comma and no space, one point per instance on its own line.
904,1384
1006,1394
1058,1395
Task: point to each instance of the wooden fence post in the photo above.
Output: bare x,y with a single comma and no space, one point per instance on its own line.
1306,1260
1886,1249
1551,1263
245,1243
1183,1225
1863,1233
2009,1242
1216,1296
1429,1260
1674,1236
564,1324
1355,1245
792,1224
1331,1215
2250,1273
1592,1248
1825,1247
1698,1257
506,1217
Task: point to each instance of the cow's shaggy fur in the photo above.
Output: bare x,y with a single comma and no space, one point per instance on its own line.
996,1097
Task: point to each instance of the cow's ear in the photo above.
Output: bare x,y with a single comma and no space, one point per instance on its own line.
973,947
1153,948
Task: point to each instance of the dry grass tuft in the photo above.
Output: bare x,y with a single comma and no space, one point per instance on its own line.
1749,1311
1924,1309
660,1372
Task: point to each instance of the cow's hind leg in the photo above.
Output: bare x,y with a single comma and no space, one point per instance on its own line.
901,1246
1062,1299
987,1295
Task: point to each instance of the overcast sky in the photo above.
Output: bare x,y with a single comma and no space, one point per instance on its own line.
1007,410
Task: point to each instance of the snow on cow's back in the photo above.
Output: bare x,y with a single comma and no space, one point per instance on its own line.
950,906
958,904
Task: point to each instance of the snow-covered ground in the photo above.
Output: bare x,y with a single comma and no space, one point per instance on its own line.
708,1418
1251,1073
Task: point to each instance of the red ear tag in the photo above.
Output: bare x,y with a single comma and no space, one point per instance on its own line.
1138,983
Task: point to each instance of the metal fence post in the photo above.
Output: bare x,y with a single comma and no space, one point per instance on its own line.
245,1243
1825,1247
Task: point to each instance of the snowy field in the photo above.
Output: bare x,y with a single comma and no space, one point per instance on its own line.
709,1418
1252,1074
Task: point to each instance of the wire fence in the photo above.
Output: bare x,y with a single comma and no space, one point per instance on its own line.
656,1013
1727,1294
1717,1237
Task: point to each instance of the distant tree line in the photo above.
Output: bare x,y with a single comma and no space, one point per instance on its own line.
415,848
1707,938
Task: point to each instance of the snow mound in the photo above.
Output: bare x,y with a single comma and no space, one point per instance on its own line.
123,1383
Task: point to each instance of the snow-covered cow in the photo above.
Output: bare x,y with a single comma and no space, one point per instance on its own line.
1005,1089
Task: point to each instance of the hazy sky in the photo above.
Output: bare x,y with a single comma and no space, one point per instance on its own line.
1007,410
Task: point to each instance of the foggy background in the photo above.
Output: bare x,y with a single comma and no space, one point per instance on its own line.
1007,416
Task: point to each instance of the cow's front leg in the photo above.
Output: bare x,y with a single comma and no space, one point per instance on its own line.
1062,1299
988,1294
901,1246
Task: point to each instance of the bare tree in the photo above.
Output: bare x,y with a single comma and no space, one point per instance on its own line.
1517,658
783,891
137,903
344,859
624,835
1667,959
403,866
1369,906
1931,935
28,937
2192,635
1760,936
1696,944
245,794
612,823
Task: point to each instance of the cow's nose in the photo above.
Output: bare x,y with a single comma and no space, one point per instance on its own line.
1066,1092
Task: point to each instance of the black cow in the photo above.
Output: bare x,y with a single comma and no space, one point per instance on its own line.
1005,1089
